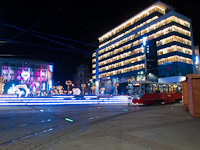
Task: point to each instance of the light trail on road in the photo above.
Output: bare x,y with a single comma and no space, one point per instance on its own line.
33,120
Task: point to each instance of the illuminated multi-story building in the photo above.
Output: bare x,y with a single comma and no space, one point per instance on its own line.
155,44
35,75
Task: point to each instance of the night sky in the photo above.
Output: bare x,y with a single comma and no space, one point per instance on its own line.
78,20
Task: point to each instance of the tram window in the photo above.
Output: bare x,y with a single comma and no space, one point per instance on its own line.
155,88
151,88
170,89
142,88
175,88
161,88
165,88
136,90
147,88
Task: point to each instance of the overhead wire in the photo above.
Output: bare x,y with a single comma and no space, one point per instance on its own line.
31,32
64,38
28,30
43,46
44,19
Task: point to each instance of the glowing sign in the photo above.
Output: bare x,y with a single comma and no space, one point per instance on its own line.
34,89
144,39
50,85
70,120
25,74
136,84
76,91
37,84
11,89
197,60
18,91
43,85
51,68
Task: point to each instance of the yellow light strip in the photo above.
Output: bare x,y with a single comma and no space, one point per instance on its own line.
155,35
118,57
174,48
148,29
124,70
130,20
94,54
122,63
142,24
93,66
172,39
175,58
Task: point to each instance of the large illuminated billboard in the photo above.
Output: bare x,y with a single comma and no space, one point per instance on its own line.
35,76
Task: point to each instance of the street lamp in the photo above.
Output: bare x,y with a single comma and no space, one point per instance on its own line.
83,86
116,85
60,89
103,89
93,88
68,83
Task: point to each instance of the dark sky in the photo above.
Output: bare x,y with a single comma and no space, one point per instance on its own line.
79,20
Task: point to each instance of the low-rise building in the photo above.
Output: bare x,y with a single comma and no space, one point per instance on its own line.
36,75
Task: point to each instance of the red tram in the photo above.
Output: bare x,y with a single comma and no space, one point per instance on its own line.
153,92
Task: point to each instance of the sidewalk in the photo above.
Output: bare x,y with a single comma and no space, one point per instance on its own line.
166,127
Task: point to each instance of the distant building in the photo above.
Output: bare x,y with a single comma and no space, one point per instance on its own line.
156,45
35,74
82,76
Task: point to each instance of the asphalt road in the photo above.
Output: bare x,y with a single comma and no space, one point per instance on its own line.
21,122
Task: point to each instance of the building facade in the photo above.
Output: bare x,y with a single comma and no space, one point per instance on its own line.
35,75
81,77
156,44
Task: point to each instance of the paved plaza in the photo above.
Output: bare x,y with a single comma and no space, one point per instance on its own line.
164,127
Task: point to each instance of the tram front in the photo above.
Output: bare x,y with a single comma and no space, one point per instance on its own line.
138,92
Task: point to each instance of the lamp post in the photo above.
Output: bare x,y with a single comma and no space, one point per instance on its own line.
103,89
68,83
116,85
83,86
93,88
60,89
